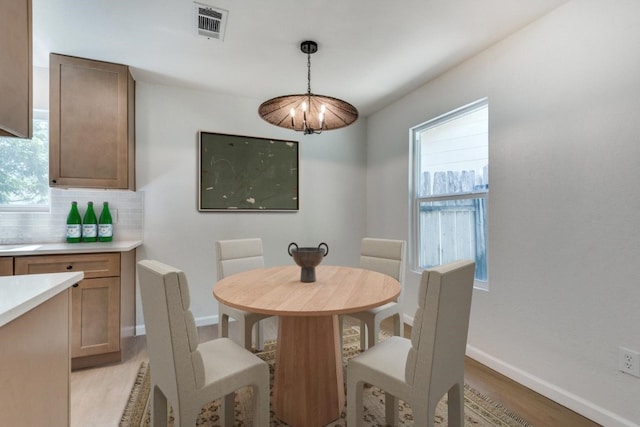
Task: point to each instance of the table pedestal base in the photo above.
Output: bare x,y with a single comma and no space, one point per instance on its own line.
308,383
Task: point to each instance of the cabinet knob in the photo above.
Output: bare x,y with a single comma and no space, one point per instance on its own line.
75,285
69,267
54,181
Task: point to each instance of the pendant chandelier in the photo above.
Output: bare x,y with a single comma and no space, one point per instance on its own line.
308,113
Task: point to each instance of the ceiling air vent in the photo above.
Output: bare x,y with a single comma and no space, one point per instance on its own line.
209,22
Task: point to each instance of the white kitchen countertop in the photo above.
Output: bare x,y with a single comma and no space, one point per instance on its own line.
68,248
19,294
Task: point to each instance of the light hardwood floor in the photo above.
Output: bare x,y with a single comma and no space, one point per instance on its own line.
99,395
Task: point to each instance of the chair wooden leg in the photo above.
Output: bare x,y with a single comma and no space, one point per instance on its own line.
363,335
261,406
391,409
246,332
259,336
224,326
423,418
355,403
456,405
189,419
373,332
398,326
227,416
159,410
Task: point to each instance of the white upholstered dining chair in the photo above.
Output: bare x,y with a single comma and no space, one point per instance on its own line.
185,374
429,365
388,257
236,256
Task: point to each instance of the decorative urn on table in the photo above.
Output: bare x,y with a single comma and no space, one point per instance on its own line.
308,259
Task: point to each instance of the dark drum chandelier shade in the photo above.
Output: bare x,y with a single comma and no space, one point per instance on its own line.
308,113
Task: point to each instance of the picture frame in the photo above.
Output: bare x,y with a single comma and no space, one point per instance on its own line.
247,173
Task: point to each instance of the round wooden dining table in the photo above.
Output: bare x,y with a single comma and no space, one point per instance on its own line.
308,382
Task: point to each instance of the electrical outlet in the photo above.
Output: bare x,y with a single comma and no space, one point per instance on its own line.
114,215
629,361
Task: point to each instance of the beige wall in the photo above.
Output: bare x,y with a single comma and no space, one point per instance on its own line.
332,182
564,108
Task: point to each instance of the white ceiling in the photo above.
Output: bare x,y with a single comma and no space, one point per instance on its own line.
371,52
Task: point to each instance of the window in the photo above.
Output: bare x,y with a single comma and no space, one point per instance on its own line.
450,188
24,168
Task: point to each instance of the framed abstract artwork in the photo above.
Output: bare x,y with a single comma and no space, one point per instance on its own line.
247,173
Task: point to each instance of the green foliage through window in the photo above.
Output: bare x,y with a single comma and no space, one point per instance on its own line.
24,167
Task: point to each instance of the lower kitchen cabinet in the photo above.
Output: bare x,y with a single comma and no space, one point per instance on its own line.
95,317
102,304
6,266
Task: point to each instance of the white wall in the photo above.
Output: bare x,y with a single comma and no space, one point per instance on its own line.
564,233
332,179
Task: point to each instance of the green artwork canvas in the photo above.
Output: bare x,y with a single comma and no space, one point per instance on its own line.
247,173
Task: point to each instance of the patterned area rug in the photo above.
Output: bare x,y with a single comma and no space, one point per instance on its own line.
479,409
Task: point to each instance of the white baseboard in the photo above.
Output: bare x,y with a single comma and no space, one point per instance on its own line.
563,397
408,319
200,321
551,391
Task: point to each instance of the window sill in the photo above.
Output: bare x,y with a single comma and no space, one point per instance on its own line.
481,285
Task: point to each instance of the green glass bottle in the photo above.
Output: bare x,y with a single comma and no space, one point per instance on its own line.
89,225
105,225
74,224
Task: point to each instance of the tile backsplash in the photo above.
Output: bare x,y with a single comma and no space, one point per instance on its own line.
127,211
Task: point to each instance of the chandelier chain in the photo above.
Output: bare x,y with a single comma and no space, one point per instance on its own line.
308,73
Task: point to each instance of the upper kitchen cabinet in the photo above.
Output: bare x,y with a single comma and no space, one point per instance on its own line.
16,82
91,124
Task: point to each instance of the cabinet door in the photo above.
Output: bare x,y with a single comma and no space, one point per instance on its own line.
95,317
6,266
95,301
91,124
15,69
93,265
